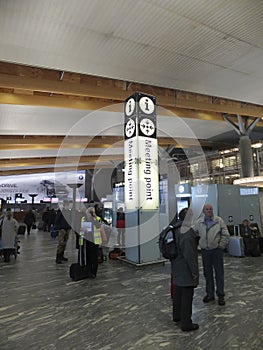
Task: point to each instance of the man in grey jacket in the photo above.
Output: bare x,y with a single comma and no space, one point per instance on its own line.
214,237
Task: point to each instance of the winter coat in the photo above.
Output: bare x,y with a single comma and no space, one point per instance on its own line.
29,218
185,267
63,220
9,232
217,236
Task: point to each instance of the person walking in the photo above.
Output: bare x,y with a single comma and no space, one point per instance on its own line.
63,225
29,220
51,218
120,225
45,217
9,233
214,237
185,271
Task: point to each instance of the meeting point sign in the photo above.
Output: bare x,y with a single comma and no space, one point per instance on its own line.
141,153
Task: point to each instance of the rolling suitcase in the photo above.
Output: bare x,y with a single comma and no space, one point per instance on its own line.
41,225
21,230
53,232
236,246
79,271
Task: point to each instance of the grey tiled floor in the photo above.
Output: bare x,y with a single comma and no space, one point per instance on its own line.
123,308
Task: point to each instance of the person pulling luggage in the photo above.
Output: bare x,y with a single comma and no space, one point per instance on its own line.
93,239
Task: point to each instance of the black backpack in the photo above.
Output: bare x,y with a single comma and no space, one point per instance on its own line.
167,243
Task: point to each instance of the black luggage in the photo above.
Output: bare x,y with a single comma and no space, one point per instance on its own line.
79,271
260,244
251,246
21,230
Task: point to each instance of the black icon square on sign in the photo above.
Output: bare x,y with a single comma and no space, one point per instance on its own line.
147,126
129,128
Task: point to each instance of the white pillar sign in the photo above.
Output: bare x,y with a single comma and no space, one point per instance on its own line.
141,153
131,173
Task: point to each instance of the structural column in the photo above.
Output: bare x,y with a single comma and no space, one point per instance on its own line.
243,129
246,156
141,179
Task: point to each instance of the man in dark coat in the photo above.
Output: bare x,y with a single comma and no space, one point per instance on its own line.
185,271
29,220
63,225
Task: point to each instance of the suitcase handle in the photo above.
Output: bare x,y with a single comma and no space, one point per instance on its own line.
237,230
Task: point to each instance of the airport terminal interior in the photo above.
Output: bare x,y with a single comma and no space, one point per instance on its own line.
147,105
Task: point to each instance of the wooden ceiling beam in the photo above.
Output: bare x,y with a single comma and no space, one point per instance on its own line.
41,141
54,170
62,87
15,142
28,162
103,92
52,101
60,102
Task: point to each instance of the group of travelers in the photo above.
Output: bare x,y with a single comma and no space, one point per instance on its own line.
212,235
48,219
62,221
9,230
90,235
209,232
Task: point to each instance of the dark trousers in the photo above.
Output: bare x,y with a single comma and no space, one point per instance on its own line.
28,227
213,260
45,226
92,251
182,305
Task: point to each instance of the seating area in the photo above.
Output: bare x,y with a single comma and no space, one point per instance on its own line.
251,242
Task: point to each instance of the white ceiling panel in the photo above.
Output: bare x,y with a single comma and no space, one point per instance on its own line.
28,120
5,154
209,47
169,43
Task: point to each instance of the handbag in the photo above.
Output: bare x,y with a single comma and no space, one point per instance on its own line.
34,226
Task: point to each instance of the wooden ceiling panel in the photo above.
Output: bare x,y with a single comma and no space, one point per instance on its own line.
101,92
24,85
